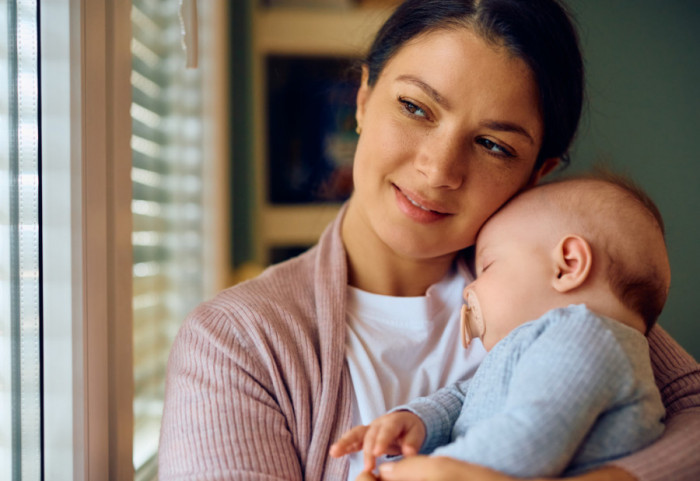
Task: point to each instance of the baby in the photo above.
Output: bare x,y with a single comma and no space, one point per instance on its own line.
570,277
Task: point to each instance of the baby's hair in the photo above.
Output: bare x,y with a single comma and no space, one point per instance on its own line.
640,280
626,184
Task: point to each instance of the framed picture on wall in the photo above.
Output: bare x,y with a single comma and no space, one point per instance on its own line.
311,129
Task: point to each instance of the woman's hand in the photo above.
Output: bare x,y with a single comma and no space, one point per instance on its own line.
400,432
430,468
365,476
436,468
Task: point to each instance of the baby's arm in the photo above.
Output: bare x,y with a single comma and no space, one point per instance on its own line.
403,432
398,432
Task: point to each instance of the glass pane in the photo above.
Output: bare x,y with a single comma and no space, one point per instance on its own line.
5,258
20,374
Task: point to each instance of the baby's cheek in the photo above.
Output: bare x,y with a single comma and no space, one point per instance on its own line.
496,325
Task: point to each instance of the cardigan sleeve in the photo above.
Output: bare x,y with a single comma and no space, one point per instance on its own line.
674,456
221,419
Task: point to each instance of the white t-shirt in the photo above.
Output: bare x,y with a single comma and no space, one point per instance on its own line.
400,348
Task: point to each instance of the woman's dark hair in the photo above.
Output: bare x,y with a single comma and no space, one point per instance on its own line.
538,31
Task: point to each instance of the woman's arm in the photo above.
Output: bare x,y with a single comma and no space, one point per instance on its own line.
426,468
220,419
674,456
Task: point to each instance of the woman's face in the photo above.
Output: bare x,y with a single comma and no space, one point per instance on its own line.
450,131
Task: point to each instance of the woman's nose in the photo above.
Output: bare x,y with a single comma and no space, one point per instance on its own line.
442,161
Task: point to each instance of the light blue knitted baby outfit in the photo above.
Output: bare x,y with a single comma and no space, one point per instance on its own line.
562,394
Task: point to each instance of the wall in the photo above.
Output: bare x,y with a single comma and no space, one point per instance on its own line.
241,132
642,116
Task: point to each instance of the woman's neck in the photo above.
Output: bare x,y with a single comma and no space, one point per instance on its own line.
394,280
374,267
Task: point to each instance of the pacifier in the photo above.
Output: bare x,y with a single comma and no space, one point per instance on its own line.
471,320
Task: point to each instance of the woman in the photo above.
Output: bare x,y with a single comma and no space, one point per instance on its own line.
461,105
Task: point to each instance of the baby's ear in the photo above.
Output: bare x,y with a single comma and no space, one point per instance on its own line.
572,259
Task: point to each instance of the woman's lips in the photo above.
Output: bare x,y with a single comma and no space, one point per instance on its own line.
418,209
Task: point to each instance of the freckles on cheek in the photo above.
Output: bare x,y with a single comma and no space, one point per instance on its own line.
482,199
499,189
393,146
401,132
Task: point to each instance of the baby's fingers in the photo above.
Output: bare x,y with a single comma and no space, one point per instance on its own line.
368,446
388,439
388,435
349,442
401,432
413,440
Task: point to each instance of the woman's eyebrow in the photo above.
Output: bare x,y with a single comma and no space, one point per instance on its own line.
434,94
490,124
507,127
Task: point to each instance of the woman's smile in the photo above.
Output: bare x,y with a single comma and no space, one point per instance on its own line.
417,208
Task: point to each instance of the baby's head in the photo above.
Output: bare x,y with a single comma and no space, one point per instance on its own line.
597,241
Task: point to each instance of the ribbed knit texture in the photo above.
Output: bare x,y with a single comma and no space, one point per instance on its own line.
563,394
257,387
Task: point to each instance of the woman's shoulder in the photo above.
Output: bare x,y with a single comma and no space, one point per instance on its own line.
290,305
281,288
270,315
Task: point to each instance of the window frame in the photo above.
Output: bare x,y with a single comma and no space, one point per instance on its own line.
93,256
87,254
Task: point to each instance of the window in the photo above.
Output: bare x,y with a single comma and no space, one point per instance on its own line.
70,227
20,329
94,426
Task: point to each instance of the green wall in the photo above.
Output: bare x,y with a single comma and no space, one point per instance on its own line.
643,118
241,133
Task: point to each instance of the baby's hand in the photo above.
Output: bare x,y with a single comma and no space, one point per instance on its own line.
349,442
400,432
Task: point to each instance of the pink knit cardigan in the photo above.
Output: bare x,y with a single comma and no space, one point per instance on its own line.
257,387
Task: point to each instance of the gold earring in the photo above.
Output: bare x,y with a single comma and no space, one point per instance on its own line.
358,129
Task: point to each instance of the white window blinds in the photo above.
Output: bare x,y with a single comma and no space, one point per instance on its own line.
167,205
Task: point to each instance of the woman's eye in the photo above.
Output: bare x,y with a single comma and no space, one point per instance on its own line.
412,108
493,148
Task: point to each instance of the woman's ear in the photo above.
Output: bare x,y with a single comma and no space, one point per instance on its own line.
572,259
362,96
547,167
